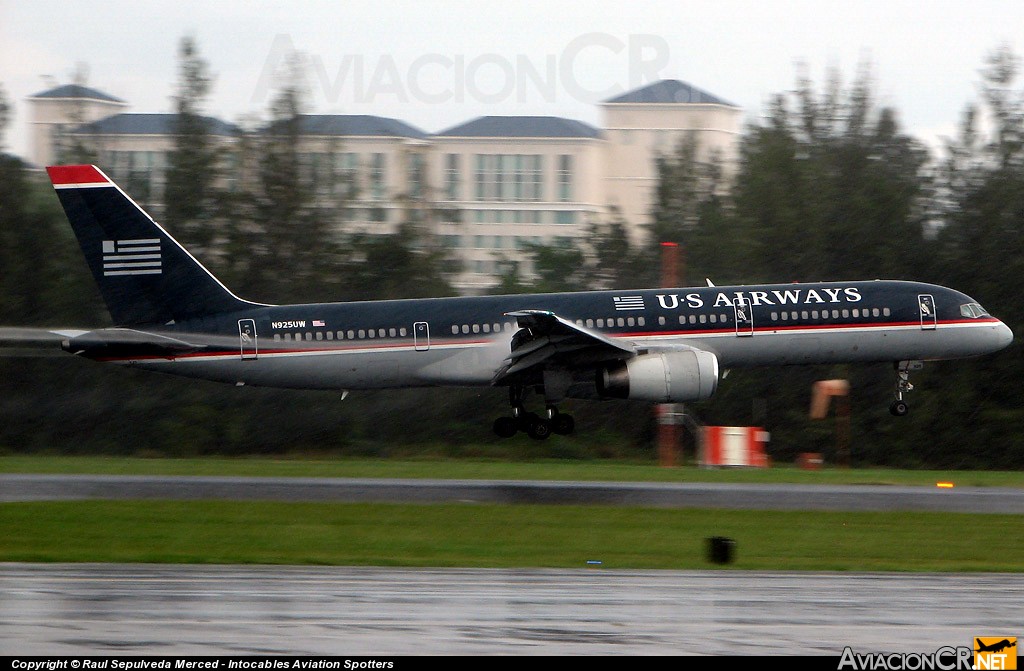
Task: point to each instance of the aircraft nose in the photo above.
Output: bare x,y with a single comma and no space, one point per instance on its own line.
1004,335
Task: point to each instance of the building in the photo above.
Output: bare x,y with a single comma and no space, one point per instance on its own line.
515,181
55,112
488,187
641,125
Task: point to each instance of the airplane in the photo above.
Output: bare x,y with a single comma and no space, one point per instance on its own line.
998,646
658,345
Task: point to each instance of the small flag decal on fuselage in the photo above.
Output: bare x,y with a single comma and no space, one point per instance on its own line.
628,302
131,257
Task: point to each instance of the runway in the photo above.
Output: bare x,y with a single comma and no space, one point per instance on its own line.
16,487
122,610
217,610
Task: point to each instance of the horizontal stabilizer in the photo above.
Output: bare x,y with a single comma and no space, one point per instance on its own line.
126,343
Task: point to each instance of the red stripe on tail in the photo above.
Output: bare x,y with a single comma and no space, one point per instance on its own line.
76,174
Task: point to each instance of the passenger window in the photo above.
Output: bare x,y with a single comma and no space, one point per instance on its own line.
277,337
371,333
402,332
487,328
775,316
392,332
640,321
856,313
693,319
703,319
622,321
630,321
319,335
814,314
874,312
309,336
465,329
600,323
330,335
590,323
476,328
846,313
352,335
362,333
886,312
455,330
714,319
682,319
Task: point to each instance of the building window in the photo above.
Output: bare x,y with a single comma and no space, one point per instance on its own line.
451,176
416,175
377,164
564,178
507,177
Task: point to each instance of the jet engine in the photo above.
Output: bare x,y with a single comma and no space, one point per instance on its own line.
663,377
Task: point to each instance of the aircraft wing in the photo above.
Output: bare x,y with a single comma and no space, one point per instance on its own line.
548,340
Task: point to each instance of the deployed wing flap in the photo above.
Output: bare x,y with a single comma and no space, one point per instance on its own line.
547,340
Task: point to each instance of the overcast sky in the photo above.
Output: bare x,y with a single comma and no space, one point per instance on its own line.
436,64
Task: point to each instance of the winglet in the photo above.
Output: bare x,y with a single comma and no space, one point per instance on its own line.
77,176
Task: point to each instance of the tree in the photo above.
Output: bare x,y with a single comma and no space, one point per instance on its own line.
829,188
74,148
5,115
191,194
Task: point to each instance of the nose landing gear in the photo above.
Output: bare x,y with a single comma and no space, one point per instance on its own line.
899,407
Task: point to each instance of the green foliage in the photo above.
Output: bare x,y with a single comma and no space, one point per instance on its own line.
193,196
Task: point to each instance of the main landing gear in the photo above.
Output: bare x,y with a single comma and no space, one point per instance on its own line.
899,407
535,426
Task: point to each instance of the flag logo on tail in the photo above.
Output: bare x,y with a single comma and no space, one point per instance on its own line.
131,257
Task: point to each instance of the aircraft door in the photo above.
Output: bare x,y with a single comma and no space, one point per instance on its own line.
247,338
926,304
744,316
421,336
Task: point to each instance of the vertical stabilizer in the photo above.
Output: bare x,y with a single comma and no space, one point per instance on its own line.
144,275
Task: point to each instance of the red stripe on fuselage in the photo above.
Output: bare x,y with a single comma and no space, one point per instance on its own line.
638,334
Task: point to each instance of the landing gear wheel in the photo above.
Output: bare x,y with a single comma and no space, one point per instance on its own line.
505,427
539,430
899,408
563,425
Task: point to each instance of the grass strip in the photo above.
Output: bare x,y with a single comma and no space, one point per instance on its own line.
470,535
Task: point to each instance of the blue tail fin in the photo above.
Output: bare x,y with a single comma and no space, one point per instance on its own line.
144,275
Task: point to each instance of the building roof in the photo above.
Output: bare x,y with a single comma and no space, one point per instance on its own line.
148,124
669,91
521,126
366,125
77,91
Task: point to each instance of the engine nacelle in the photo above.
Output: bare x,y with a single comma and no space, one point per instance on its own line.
662,377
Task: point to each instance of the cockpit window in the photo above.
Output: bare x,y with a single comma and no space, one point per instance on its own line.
973,310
